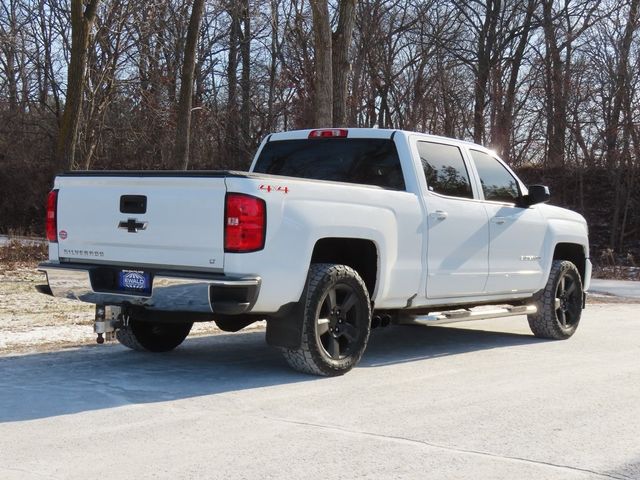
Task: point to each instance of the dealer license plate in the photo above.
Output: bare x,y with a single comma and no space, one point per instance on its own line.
134,281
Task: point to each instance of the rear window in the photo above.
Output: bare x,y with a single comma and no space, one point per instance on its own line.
368,161
444,169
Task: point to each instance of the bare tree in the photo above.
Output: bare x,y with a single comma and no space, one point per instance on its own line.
505,98
341,41
233,119
487,40
9,32
82,20
323,59
562,27
620,131
245,82
552,85
332,61
183,120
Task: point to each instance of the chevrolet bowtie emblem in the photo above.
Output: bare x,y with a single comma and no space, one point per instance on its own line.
132,225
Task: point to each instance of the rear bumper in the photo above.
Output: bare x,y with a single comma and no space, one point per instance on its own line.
171,290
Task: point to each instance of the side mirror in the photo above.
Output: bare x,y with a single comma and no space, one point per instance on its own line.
537,194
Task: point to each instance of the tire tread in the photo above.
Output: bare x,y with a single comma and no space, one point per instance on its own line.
544,323
127,338
143,341
306,359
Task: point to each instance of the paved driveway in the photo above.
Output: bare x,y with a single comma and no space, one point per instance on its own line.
619,288
481,400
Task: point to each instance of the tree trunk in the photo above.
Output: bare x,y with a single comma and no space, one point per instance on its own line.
273,64
183,121
82,19
486,45
323,60
620,85
555,85
341,41
245,83
504,124
9,48
231,134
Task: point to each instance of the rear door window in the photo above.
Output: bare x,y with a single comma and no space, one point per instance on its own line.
368,161
445,170
497,183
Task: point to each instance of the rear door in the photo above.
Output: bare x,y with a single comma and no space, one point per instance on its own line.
457,231
142,220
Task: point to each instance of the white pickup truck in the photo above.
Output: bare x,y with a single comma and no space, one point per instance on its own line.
332,232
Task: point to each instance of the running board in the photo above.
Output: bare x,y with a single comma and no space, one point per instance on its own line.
437,318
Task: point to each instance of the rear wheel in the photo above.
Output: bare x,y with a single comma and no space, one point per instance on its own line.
336,322
153,336
559,304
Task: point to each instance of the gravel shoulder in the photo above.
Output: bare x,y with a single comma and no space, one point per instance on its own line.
32,322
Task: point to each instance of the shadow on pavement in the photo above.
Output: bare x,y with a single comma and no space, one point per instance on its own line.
401,344
92,378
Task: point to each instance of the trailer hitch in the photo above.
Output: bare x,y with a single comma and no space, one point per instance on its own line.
108,319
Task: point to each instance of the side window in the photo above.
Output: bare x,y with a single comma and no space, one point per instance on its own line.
497,183
444,169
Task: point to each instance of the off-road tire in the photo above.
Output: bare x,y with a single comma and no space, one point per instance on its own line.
559,303
152,336
348,322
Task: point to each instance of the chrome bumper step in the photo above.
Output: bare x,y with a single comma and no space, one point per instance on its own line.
171,291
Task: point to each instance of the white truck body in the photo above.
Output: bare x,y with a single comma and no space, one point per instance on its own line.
431,250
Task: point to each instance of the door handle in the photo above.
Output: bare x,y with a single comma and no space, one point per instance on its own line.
499,220
440,214
133,204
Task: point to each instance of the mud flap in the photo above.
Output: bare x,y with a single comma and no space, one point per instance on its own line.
284,329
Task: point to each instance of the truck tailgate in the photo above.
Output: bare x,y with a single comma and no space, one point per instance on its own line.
145,220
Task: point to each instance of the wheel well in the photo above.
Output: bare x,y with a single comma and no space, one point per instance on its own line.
361,255
572,252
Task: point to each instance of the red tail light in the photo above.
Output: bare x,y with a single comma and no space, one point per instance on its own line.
52,214
245,223
329,133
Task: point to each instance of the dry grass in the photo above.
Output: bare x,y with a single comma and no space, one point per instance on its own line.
29,319
22,254
616,272
33,322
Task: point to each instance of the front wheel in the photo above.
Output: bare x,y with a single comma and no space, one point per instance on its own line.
336,322
559,303
152,336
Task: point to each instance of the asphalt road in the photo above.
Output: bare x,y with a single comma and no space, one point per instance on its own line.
481,400
618,288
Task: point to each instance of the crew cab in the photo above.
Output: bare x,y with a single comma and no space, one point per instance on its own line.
332,232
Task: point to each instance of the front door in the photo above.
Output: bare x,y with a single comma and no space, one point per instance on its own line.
516,242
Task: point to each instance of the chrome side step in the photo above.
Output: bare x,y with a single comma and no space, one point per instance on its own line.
465,315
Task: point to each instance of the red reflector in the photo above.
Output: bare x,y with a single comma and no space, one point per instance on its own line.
245,223
329,133
52,220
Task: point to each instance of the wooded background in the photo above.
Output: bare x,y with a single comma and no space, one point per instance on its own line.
551,85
